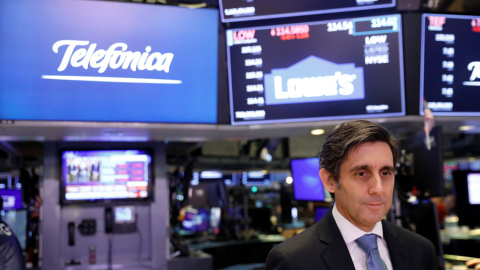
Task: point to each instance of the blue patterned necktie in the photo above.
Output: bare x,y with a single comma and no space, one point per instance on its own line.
368,243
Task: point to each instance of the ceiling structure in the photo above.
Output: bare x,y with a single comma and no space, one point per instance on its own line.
230,147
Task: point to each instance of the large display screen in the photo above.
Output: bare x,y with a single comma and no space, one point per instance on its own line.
450,67
350,68
107,61
307,185
12,199
473,187
241,10
110,175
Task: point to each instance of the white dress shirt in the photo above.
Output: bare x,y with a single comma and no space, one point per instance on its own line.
350,233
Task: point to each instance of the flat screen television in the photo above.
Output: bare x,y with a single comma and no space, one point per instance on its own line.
196,220
256,178
128,62
467,197
307,185
207,194
89,176
450,64
348,68
12,199
240,10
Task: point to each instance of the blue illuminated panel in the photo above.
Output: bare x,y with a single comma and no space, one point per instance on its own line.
107,61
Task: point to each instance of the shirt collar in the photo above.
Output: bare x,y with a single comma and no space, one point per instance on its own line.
349,231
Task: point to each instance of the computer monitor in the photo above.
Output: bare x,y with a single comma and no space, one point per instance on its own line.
313,71
99,176
196,220
467,197
12,199
208,193
450,77
307,185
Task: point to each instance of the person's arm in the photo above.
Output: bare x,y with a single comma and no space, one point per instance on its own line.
474,262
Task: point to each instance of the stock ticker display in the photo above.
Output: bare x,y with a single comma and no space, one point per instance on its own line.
450,69
316,71
240,10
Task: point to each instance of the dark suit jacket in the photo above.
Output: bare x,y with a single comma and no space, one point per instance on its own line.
322,247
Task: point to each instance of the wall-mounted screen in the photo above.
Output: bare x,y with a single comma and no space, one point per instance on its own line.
473,187
107,61
349,68
12,199
450,67
467,197
256,178
240,10
307,185
106,176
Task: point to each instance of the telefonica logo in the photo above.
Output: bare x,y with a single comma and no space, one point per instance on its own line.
83,54
314,80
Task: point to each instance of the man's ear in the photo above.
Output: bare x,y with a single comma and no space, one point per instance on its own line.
327,180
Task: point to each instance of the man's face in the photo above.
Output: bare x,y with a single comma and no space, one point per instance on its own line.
364,193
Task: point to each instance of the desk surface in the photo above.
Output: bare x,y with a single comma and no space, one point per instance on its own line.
260,239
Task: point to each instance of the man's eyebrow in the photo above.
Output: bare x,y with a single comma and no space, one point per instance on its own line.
367,167
390,168
360,167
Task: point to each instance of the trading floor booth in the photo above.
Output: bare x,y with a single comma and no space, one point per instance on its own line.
81,229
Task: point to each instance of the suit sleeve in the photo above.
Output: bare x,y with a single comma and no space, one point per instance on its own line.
277,260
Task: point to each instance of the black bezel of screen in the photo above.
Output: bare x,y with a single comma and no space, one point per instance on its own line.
271,14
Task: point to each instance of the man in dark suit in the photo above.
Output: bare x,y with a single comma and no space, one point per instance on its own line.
357,164
11,257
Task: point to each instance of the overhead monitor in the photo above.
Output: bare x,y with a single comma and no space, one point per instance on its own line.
240,10
107,61
473,187
256,178
342,69
12,199
450,64
100,176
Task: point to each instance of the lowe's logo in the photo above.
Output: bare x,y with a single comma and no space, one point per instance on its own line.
314,80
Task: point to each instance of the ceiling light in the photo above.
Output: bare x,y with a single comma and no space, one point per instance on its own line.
317,131
465,128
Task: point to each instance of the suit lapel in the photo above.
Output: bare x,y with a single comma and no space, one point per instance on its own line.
395,246
333,250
